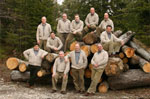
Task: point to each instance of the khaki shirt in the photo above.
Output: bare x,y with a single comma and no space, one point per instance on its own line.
92,19
63,26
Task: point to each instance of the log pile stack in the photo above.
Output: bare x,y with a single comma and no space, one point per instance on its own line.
130,69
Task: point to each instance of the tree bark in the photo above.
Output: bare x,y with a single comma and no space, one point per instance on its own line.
51,57
90,38
129,52
16,75
86,49
118,33
130,79
94,48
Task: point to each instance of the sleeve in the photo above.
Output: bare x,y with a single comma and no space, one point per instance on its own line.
48,44
54,67
81,27
67,68
92,61
26,54
85,60
58,27
44,53
71,26
116,39
68,56
37,33
86,20
105,59
50,29
112,24
60,44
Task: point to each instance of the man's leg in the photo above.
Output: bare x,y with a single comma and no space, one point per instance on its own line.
78,36
54,81
61,36
75,76
86,29
95,80
41,44
64,83
93,27
81,79
117,46
70,37
44,44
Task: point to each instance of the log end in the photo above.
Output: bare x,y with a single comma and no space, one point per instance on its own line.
146,68
22,67
12,63
88,73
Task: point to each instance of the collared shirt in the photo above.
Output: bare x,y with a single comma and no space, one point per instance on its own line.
77,56
36,51
109,35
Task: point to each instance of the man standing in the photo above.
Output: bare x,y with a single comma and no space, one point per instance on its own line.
91,21
79,63
43,32
34,56
54,44
99,62
110,42
63,28
76,28
60,70
104,23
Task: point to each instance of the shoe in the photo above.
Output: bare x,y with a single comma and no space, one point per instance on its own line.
89,94
53,91
30,86
63,92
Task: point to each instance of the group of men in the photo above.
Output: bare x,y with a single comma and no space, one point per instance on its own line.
66,31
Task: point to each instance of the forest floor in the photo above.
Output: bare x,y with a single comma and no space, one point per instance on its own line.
18,90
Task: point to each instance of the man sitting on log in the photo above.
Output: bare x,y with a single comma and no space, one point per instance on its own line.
110,42
63,28
91,21
60,70
43,32
104,23
79,63
54,44
76,28
34,57
99,62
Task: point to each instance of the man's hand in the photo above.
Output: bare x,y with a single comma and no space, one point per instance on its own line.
65,76
92,32
42,57
53,75
56,49
66,60
74,32
88,25
96,65
122,42
38,41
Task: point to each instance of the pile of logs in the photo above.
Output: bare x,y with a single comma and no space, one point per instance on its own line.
130,69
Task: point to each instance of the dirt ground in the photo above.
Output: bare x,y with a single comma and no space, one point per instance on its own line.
18,90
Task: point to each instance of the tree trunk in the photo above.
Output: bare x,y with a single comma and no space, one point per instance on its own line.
118,33
125,60
126,67
145,65
114,67
142,52
127,36
130,79
94,48
86,49
103,87
12,63
88,73
129,52
23,66
121,55
41,73
90,38
15,75
72,45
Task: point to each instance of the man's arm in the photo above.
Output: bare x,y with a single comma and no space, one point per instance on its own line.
26,54
67,68
49,45
60,44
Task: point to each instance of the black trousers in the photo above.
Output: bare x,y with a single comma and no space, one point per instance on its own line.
33,73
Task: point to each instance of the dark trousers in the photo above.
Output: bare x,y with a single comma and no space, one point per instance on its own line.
33,73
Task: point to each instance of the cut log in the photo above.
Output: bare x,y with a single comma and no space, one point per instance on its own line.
125,60
72,45
137,42
127,36
41,73
121,55
94,48
90,66
129,52
88,73
145,65
114,66
23,66
90,38
130,79
101,80
16,75
103,87
143,53
51,57
118,33
86,49
13,63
